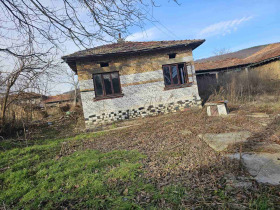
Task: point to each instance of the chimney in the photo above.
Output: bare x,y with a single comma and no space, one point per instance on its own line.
120,39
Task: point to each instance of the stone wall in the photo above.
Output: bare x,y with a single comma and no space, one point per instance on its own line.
271,69
142,88
151,110
132,64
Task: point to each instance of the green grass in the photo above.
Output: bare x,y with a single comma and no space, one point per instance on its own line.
174,194
34,178
84,179
261,203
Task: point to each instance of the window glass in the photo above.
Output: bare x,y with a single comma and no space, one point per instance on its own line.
98,85
174,74
116,83
182,73
107,83
166,75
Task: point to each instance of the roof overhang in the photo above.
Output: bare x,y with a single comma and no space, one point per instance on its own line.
223,69
230,68
71,60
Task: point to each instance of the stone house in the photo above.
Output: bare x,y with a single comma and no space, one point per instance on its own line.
126,80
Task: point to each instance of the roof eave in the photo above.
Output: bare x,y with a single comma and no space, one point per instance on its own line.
221,69
248,64
192,45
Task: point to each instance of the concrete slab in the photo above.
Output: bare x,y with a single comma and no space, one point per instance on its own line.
264,167
221,141
258,115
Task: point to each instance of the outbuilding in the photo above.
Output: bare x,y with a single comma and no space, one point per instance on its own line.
263,59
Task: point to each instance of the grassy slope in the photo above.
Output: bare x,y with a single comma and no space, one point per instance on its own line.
84,179
37,176
33,177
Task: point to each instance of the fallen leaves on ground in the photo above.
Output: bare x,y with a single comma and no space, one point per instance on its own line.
175,158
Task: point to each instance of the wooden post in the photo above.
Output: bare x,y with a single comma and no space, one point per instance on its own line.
217,77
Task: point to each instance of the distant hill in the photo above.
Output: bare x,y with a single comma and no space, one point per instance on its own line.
238,54
70,92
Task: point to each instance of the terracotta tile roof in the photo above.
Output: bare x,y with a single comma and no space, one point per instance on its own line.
27,95
242,57
58,98
129,47
219,64
271,51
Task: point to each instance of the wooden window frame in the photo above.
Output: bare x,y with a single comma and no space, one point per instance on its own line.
179,85
104,95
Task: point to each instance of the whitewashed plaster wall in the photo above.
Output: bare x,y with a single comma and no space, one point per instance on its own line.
135,96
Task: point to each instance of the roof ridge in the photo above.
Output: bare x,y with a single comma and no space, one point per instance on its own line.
117,43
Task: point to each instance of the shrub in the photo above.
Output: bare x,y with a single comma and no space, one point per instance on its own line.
245,86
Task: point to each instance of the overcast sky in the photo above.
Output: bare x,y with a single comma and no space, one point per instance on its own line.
231,24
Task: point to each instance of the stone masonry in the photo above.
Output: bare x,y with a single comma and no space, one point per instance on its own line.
142,84
106,118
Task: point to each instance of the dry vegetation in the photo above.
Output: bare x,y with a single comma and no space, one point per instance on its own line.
53,123
243,87
253,92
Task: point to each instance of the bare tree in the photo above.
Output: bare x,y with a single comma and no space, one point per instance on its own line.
221,51
32,30
68,76
54,22
44,25
22,78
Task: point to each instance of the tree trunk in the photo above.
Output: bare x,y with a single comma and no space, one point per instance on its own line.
75,97
4,106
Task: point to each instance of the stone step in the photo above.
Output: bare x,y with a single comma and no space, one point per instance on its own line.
264,167
220,142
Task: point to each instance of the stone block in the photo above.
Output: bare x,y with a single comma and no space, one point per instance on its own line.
217,108
221,141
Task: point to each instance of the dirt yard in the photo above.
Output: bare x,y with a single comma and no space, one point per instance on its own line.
164,164
175,153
